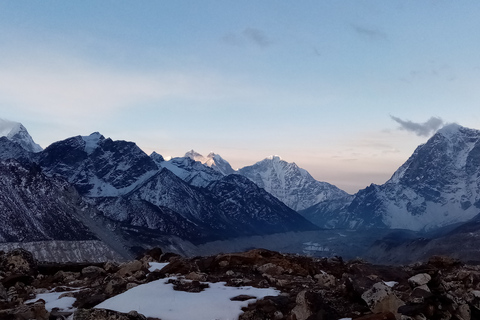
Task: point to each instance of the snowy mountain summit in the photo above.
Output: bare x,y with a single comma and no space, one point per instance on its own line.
292,185
437,186
214,161
16,132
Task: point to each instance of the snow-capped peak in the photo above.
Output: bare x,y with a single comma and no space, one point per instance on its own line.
192,154
450,130
16,132
274,158
287,182
91,141
213,160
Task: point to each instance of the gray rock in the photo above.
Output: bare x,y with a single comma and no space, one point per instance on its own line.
419,279
381,298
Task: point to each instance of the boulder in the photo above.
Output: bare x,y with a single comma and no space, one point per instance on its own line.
93,272
302,308
419,279
129,268
271,269
35,311
19,261
381,298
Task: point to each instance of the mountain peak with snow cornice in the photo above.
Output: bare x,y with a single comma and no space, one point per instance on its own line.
16,132
213,160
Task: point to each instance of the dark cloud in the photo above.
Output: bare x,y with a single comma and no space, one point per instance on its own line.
257,37
420,129
369,33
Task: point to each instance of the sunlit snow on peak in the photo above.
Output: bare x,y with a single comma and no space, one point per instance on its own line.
274,157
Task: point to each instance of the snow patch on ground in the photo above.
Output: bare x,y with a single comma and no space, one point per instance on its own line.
52,300
390,284
156,266
158,299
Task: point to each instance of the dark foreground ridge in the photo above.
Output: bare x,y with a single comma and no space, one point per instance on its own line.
311,288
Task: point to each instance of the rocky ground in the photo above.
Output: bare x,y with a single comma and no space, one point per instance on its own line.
311,288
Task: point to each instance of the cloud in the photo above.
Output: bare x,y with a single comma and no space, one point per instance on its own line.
420,129
248,36
370,33
257,37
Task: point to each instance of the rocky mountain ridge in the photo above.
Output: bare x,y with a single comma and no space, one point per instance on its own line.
437,186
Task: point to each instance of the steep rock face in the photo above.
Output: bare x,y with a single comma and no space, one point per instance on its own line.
292,185
229,207
437,186
12,150
17,133
98,167
141,213
35,207
247,206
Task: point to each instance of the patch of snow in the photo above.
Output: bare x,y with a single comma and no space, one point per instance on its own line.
390,284
156,266
91,141
52,300
158,299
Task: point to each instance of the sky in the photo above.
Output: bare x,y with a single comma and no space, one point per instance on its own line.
345,89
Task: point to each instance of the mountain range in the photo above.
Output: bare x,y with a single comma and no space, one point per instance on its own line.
98,189
137,194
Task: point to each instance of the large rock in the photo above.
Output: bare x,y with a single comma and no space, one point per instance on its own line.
129,268
381,298
18,261
35,311
419,279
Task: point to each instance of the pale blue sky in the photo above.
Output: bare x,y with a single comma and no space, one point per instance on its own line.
313,81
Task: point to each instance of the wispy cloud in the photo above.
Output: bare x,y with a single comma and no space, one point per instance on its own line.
257,37
420,129
369,33
250,35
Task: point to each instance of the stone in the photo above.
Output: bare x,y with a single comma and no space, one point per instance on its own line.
196,276
19,261
3,293
302,309
326,280
35,311
93,272
463,312
419,294
419,279
111,266
242,297
381,298
129,268
131,285
271,269
115,286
